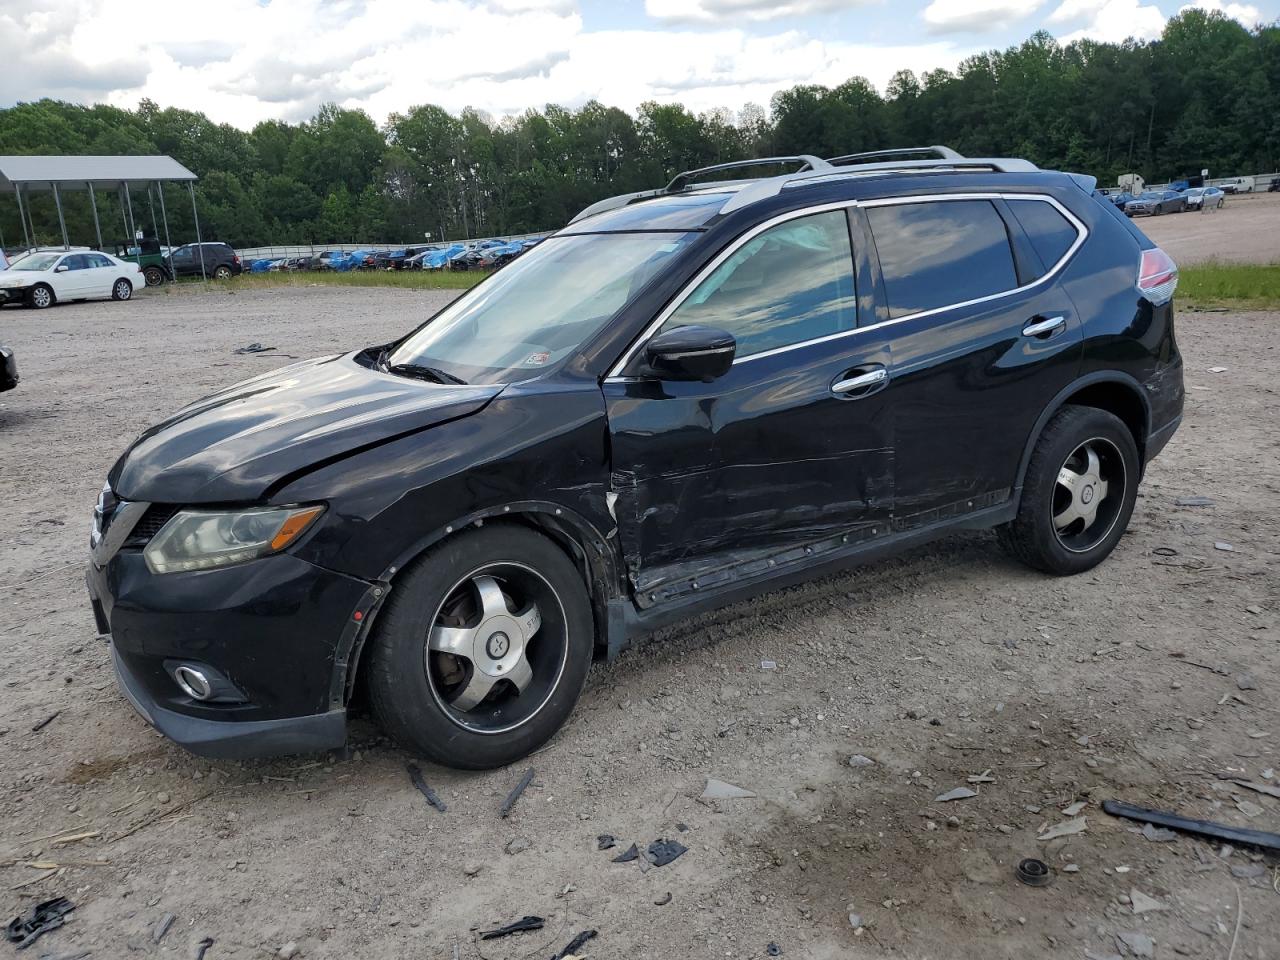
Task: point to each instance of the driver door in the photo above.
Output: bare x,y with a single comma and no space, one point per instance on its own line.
776,453
73,281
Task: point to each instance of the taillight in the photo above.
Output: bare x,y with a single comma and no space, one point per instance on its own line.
236,259
1157,276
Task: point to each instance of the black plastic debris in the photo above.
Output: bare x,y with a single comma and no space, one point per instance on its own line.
415,775
203,947
46,916
630,854
1205,828
773,950
519,926
1034,873
662,852
663,900
253,348
41,724
514,795
682,827
574,944
606,841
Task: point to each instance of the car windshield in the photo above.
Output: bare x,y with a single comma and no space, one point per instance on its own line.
35,261
538,309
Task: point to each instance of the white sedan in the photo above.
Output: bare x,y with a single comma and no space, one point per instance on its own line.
42,278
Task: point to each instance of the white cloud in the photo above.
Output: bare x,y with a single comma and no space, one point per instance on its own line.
285,58
730,12
1109,21
951,16
1246,13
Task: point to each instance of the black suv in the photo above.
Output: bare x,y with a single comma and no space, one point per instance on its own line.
216,260
685,397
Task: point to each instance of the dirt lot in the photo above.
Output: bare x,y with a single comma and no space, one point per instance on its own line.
1245,230
946,664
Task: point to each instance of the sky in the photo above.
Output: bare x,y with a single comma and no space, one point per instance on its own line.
243,61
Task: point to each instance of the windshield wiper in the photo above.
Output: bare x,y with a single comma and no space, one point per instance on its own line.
421,372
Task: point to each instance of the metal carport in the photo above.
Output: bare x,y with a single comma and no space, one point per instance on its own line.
24,175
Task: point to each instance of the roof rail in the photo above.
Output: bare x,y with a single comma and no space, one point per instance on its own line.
681,180
941,152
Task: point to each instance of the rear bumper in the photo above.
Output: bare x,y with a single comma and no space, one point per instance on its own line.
236,739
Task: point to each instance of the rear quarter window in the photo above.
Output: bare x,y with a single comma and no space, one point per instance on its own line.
939,253
1051,234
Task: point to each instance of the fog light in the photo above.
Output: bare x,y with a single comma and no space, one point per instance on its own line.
193,682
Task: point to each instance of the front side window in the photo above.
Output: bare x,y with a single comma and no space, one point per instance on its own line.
790,284
540,308
77,261
939,253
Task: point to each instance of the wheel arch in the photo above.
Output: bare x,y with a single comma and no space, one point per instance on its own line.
1113,391
592,553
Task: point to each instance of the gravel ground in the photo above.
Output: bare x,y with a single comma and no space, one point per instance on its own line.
1245,230
1148,679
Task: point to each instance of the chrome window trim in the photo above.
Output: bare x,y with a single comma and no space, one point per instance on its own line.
1082,233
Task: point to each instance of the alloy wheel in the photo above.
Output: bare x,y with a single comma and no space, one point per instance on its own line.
123,290
1088,494
41,298
496,648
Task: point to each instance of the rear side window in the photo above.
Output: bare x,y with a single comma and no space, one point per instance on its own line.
1051,233
939,253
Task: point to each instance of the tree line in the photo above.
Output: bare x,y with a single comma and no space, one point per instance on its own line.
1204,95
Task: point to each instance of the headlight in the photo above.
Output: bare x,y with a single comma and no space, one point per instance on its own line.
202,539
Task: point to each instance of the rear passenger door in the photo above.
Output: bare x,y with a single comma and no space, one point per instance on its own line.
983,338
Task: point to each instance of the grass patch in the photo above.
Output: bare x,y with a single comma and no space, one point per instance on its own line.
408,279
1239,285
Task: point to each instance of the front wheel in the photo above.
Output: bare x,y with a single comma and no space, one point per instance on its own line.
483,648
122,289
1078,494
40,296
154,276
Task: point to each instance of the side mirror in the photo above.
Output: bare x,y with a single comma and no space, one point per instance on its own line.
691,353
61,268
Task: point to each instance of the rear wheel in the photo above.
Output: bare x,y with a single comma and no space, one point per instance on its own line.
483,648
222,272
40,296
1078,495
122,289
154,276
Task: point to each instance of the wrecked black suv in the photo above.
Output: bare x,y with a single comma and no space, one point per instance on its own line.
684,398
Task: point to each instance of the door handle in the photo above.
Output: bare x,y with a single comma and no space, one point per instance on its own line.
861,381
1044,328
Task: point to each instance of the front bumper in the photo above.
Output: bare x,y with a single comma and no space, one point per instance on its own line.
281,630
13,295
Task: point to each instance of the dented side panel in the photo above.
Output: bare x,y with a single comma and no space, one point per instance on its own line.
765,455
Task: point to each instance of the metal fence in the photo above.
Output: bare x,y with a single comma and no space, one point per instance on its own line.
1260,182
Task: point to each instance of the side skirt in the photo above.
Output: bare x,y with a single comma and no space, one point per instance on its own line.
677,600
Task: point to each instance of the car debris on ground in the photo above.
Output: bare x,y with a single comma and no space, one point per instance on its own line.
1207,828
47,915
516,926
509,803
415,774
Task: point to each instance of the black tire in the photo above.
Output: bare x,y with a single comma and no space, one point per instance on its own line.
122,289
222,272
409,692
41,296
154,276
1033,536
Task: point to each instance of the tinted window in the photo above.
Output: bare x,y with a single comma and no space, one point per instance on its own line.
791,283
1051,233
77,261
940,253
98,260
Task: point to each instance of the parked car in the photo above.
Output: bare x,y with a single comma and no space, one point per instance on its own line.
4,261
148,254
686,397
1274,185
209,259
41,279
1237,185
1204,198
8,369
1155,203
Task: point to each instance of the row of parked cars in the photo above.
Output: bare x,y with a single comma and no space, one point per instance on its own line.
1157,202
480,255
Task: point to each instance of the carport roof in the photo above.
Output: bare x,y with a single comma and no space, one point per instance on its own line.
76,173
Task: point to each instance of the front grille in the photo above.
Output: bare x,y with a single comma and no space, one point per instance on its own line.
157,515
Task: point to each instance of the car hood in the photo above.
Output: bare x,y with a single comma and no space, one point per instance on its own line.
235,445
